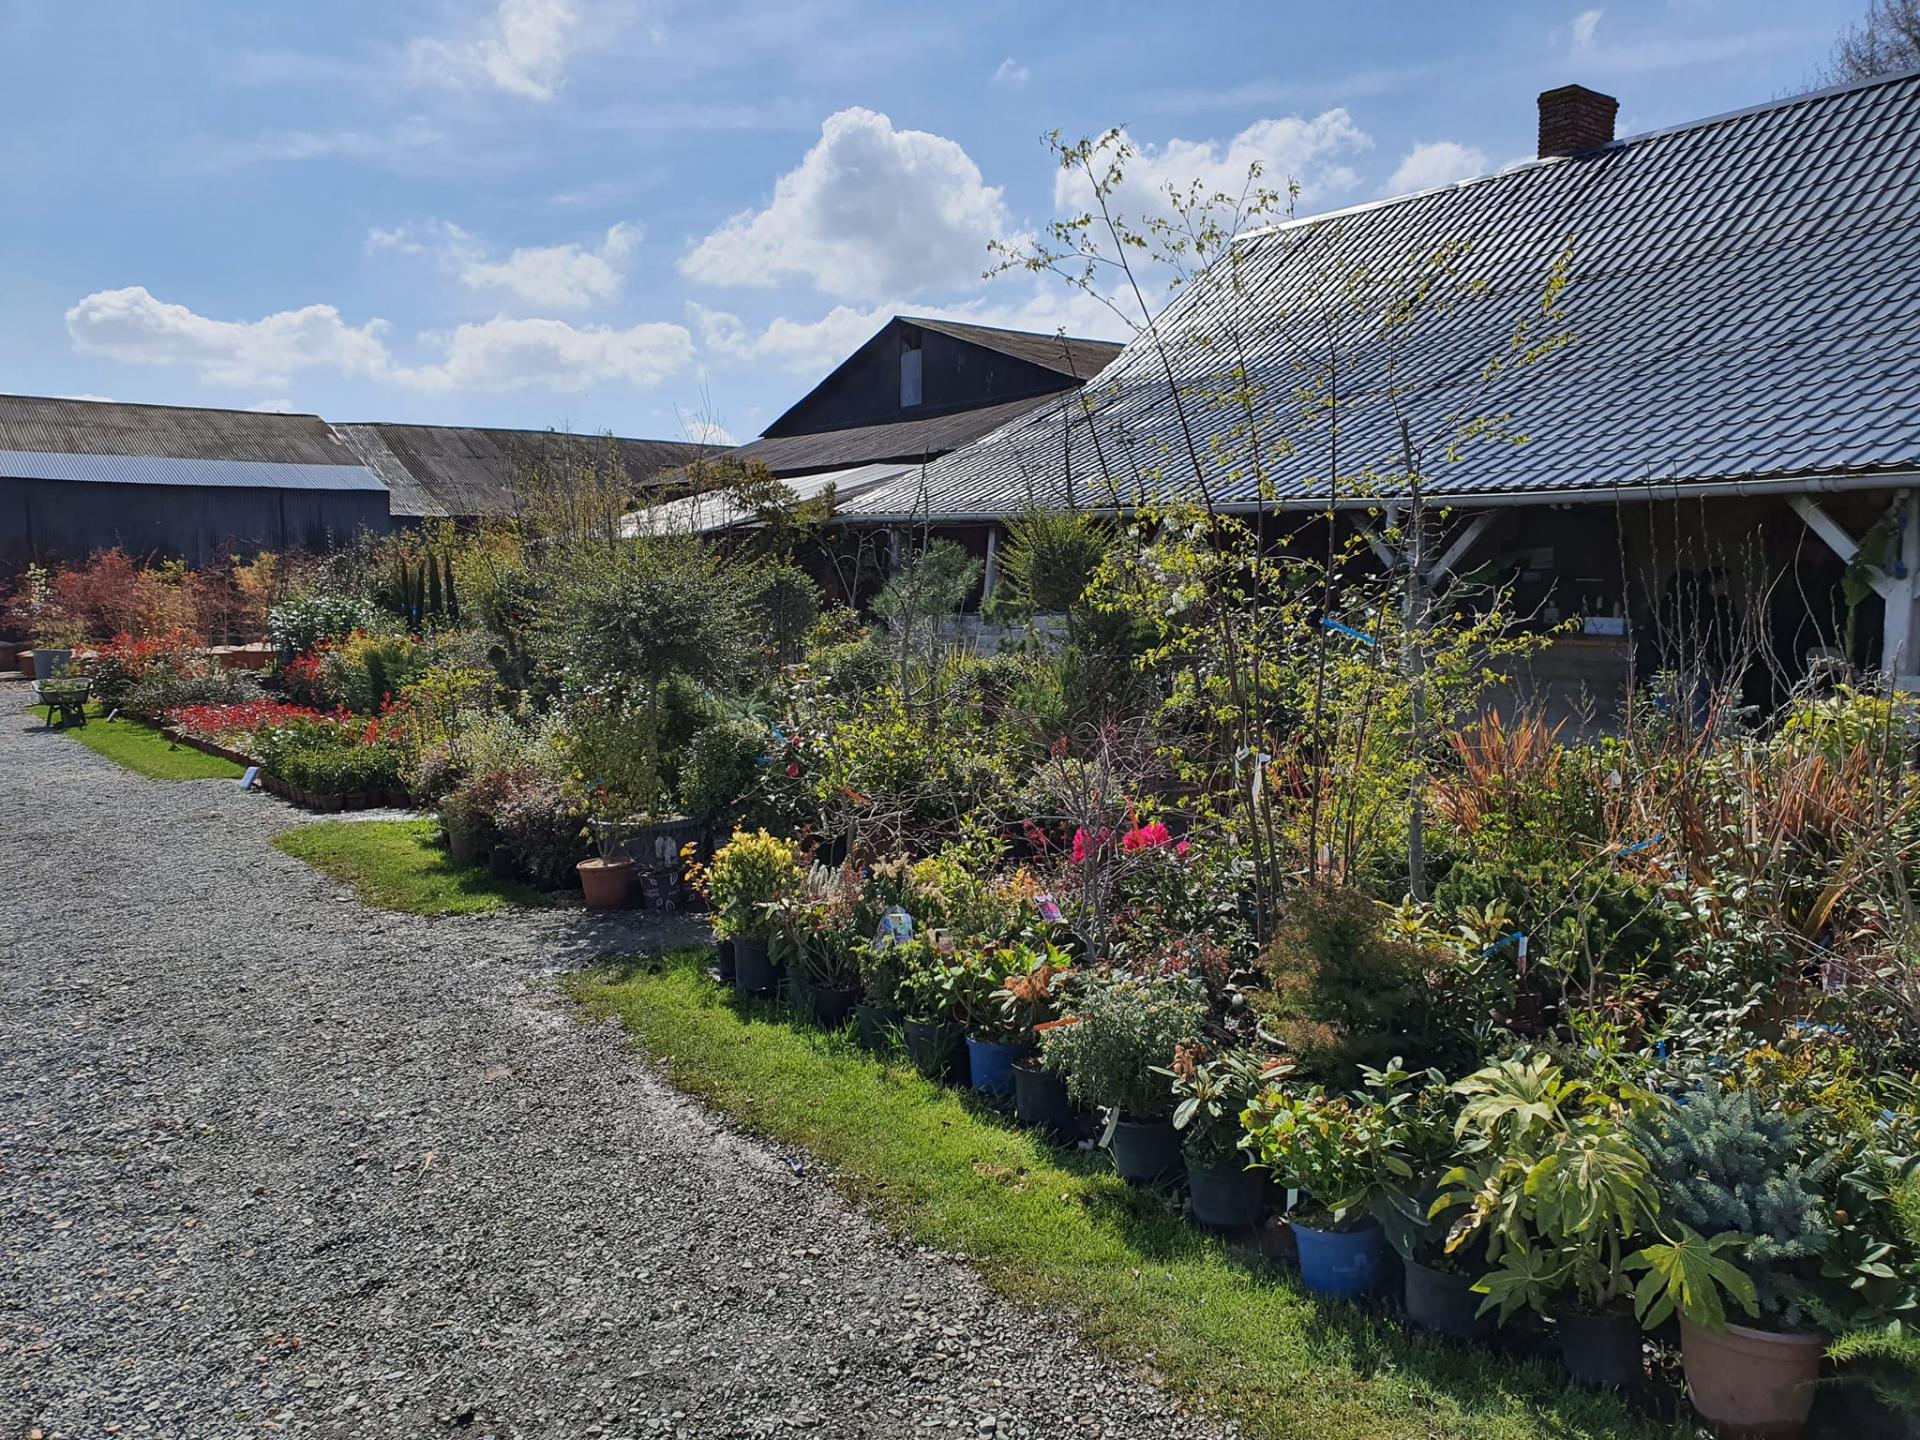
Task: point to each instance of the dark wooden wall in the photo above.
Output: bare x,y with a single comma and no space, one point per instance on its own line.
61,519
954,376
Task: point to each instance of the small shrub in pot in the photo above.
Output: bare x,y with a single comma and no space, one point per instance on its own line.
1212,1092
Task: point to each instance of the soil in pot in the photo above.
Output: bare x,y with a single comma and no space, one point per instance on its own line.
605,882
875,1026
1342,1264
991,1064
1442,1302
1751,1384
1227,1197
1600,1349
753,972
938,1049
1040,1102
1146,1151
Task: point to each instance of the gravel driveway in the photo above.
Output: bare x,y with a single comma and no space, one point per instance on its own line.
273,1162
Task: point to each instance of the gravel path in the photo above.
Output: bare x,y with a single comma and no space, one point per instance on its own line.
272,1162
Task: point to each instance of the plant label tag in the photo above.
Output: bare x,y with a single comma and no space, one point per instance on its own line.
1049,909
245,782
113,712
895,928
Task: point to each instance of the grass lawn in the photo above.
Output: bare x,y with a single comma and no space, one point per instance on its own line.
1063,1232
396,865
145,751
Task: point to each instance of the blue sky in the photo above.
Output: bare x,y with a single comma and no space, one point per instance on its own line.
651,217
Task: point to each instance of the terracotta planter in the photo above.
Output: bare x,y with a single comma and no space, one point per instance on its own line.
1751,1384
605,882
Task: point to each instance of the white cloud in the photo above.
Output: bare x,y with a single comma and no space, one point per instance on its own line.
510,354
495,355
522,48
869,211
1291,148
1011,72
1435,163
132,326
280,406
560,277
1584,24
813,347
354,144
87,395
705,432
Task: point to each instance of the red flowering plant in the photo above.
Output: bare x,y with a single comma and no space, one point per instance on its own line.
237,725
125,662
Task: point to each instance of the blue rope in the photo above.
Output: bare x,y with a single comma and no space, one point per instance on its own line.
1348,630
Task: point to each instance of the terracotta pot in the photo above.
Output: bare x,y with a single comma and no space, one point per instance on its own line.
1751,1384
605,882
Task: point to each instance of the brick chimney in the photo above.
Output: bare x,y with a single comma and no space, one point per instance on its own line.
1574,118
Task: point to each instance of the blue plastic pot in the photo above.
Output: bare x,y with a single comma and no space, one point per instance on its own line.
1343,1264
992,1063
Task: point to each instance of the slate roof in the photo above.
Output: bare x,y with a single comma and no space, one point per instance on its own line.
902,441
468,472
1743,305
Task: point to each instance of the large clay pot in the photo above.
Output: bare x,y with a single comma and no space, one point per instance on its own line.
1751,1384
605,882
49,662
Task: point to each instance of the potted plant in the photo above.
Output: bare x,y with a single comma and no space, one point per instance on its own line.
877,1017
998,1019
1040,1099
1420,1112
748,874
1336,1151
1736,1167
696,878
934,1039
54,640
1554,1186
1211,1093
1122,1026
824,968
607,875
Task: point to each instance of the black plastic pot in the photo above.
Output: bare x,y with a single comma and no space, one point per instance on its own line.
1040,1102
1229,1198
723,960
499,861
753,972
1146,1151
1442,1303
938,1048
875,1026
1600,1350
832,1007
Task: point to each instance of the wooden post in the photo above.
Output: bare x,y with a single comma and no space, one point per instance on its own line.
1900,640
990,581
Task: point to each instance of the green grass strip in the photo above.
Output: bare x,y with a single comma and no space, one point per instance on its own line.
397,865
1061,1231
141,748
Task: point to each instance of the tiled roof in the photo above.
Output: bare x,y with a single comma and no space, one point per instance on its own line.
1744,304
904,441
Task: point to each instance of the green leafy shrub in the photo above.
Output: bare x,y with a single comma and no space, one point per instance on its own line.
722,770
1119,1029
298,625
748,874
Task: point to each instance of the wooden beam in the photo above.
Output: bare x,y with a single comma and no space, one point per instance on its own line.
1391,558
1898,639
1842,544
1441,570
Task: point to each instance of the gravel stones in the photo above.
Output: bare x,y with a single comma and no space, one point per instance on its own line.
272,1162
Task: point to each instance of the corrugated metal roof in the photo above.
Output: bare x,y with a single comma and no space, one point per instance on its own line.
704,514
1742,306
470,471
106,427
908,442
174,470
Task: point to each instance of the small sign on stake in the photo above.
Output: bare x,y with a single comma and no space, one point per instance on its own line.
245,782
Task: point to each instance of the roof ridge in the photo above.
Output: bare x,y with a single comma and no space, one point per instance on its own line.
161,405
1520,167
1009,330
